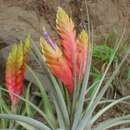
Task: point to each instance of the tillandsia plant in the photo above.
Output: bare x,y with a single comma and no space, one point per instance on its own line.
66,104
15,70
14,80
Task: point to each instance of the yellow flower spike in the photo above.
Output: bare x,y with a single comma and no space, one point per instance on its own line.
64,19
65,28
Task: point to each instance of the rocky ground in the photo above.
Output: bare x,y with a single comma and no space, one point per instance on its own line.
17,17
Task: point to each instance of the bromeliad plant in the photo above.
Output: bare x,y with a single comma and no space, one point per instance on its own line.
14,79
66,104
15,70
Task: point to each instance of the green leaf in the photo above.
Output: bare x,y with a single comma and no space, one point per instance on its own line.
96,97
28,108
32,105
47,106
103,52
80,101
30,121
100,95
91,90
59,114
113,122
103,110
26,126
8,129
123,129
60,100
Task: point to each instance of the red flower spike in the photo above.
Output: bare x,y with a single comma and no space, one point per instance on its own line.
15,71
65,28
57,63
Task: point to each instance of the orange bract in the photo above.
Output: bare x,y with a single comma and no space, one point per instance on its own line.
15,70
57,63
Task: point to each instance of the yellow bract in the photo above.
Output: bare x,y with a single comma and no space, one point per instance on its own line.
27,44
63,20
83,37
15,57
48,51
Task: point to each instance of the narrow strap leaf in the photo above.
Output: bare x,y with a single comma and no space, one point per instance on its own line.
30,121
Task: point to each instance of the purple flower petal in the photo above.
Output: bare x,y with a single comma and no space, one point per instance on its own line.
49,40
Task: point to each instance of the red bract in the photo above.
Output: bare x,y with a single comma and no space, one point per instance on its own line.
15,70
65,28
74,51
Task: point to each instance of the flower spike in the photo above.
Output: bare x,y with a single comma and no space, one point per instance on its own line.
74,51
15,70
66,31
82,46
57,63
